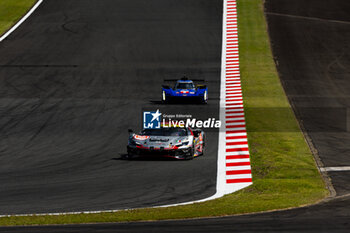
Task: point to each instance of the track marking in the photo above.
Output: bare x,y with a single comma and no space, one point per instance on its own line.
308,18
36,5
335,169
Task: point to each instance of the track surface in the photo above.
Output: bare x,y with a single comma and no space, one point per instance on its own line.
75,76
311,42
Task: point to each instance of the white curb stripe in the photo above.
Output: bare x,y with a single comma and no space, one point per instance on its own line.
238,168
237,140
239,176
238,153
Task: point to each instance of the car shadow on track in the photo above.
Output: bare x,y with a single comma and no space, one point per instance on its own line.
174,102
149,159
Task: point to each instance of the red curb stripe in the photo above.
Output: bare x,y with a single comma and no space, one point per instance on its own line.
233,104
232,87
237,157
237,164
238,116
236,149
233,100
234,126
237,172
232,108
234,121
245,180
237,143
235,137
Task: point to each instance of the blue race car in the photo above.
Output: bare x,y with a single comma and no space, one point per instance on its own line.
185,90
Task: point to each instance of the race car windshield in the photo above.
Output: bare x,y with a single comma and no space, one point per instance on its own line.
184,86
165,132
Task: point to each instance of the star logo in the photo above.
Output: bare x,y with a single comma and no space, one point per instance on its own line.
151,120
156,115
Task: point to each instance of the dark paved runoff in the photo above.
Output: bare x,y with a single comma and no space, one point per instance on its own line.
76,76
311,45
332,216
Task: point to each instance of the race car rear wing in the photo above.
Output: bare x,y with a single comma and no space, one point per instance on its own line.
175,80
201,86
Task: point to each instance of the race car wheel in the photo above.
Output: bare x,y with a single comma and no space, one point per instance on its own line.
129,155
190,154
126,156
203,145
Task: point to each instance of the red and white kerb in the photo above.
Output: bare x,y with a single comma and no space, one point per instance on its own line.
238,169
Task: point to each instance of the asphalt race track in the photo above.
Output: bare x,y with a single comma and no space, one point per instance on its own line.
311,46
76,76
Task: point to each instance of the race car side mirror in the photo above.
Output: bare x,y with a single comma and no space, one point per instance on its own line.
130,131
165,86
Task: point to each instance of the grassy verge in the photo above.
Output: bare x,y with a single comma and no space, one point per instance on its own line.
284,172
11,11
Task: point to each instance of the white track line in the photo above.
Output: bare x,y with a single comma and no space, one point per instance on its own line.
21,20
335,169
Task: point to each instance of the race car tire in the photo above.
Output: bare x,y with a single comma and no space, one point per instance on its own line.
126,157
190,154
203,144
129,155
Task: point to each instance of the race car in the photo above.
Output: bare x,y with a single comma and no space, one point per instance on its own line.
185,90
173,142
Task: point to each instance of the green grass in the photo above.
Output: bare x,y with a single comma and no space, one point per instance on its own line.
284,172
11,11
